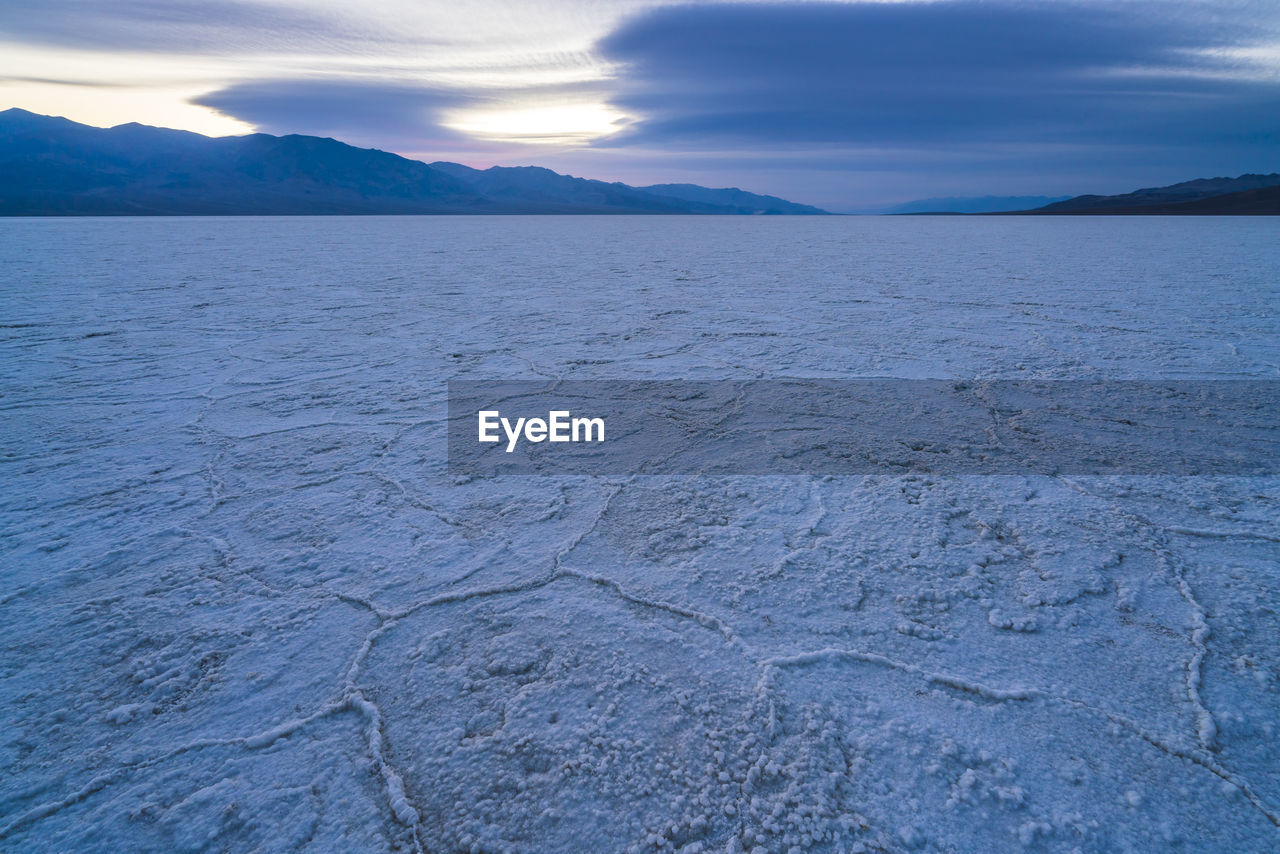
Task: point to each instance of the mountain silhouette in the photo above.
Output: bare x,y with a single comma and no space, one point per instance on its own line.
1249,194
54,166
533,185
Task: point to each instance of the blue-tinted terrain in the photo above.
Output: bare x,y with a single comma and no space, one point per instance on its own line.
248,606
52,166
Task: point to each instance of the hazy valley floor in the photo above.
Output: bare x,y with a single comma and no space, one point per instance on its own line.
245,607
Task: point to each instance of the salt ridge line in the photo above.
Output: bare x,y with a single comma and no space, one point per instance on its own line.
1206,726
404,811
1201,758
1224,535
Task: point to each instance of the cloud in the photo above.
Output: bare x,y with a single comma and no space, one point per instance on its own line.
411,116
945,74
347,110
209,26
841,104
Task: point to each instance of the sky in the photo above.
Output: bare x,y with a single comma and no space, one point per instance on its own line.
852,106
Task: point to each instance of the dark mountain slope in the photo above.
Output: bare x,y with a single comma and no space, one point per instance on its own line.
535,188
1191,197
52,166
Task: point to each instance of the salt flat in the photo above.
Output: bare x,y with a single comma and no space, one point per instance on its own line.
246,608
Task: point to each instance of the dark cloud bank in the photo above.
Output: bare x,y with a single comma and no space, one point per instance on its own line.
945,92
964,72
363,112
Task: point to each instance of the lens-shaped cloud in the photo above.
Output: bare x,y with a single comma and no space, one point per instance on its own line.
349,110
413,117
948,73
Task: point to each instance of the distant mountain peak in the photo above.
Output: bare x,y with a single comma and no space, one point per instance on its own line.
1251,193
53,166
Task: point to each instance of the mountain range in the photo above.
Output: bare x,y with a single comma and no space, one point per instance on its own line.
1246,195
54,166
1249,194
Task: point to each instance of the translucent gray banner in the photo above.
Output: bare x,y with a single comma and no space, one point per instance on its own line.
872,426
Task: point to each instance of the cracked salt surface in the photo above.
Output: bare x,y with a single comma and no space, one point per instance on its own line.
246,608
